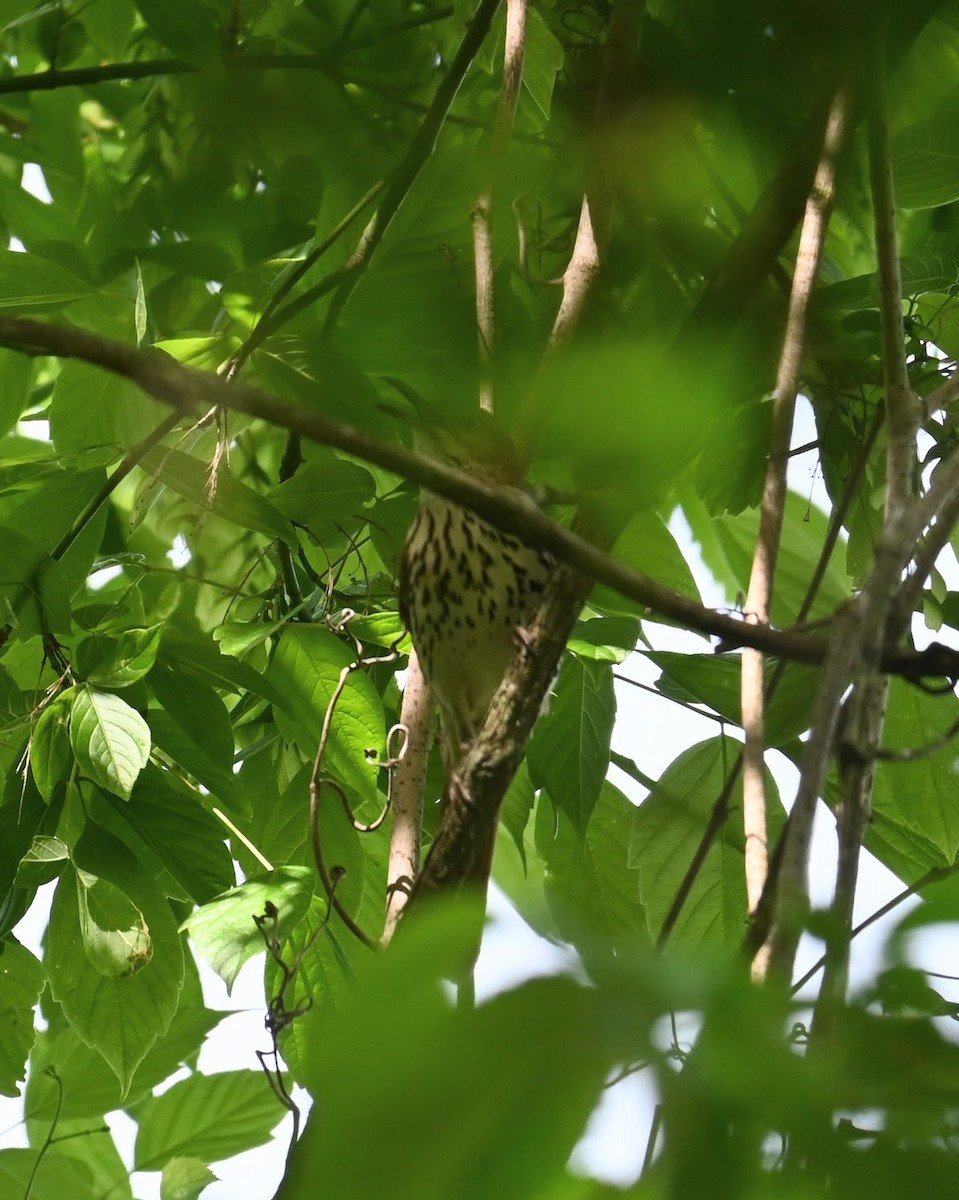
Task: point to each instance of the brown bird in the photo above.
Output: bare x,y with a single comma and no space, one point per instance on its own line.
466,588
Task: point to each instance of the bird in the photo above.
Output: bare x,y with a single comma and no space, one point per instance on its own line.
467,590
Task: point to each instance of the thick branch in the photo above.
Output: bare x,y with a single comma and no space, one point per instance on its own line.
483,775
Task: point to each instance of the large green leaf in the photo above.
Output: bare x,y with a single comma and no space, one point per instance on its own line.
666,832
714,680
803,535
21,981
531,1062
223,495
307,668
207,1117
224,930
110,739
121,1017
569,752
591,888
919,798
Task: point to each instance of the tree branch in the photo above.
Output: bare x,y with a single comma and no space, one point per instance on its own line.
407,789
759,596
189,390
482,215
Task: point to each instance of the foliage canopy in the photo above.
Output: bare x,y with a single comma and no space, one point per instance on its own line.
287,194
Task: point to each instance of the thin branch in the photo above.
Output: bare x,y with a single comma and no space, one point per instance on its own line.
482,216
46,81
862,624
188,390
867,703
759,596
931,876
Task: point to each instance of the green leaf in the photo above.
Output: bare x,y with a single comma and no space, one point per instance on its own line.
110,739
22,979
89,1086
225,496
646,545
925,164
33,285
116,662
202,660
517,806
120,1017
532,1062
185,837
306,669
803,535
591,888
224,931
34,588
569,751
50,753
207,1117
184,1179
194,35
919,798
95,415
114,932
544,59
324,492
667,829
605,639
52,1179
714,680
198,711
43,862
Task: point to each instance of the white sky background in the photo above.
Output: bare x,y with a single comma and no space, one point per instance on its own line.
653,731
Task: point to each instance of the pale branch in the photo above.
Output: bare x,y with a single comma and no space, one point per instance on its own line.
861,636
482,215
865,708
902,405
616,84
780,915
407,789
616,91
188,390
759,595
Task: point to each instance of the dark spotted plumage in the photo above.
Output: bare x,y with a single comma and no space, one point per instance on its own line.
465,589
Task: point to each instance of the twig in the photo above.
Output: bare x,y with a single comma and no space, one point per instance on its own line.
759,595
931,876
482,216
48,1140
